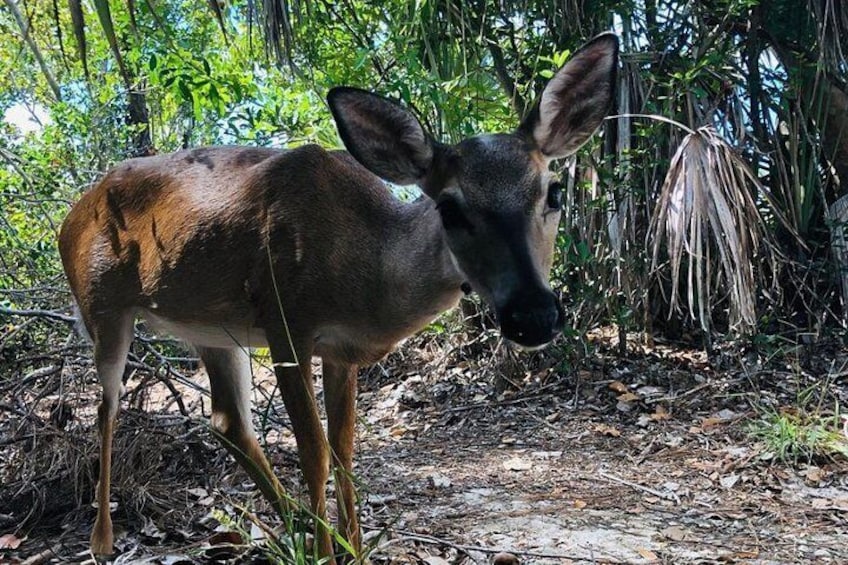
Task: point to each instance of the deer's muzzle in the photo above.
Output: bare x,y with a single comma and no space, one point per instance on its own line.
532,319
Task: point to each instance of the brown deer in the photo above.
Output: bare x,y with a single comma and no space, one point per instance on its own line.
307,252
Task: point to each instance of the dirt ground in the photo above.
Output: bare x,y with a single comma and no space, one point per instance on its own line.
465,449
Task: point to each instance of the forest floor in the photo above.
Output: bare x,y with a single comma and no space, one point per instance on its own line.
465,449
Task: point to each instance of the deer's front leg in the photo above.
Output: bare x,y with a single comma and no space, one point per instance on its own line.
340,401
295,381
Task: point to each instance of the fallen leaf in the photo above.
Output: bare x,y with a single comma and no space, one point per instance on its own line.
815,474
10,541
151,530
628,397
618,387
708,423
225,538
660,413
722,417
607,430
222,546
398,430
257,533
580,504
728,481
647,554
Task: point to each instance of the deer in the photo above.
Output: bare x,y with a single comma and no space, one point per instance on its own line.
307,252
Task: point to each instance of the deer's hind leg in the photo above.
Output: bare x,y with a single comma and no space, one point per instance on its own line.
112,335
231,384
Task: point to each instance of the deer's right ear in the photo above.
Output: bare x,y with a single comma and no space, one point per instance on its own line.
385,137
576,100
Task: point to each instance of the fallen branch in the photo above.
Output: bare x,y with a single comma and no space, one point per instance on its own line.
50,314
637,486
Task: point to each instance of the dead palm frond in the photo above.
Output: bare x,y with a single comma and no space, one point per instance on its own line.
838,221
707,219
278,21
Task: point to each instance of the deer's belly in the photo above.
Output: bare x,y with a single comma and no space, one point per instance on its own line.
347,345
224,335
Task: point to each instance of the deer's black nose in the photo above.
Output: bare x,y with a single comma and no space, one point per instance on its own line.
532,319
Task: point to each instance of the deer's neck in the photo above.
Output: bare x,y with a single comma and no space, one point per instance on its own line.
418,260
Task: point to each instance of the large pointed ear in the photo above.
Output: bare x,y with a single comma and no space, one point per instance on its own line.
576,100
385,137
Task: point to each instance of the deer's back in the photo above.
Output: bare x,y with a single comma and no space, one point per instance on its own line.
188,237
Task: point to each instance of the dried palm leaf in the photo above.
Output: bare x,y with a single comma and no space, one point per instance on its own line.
838,220
707,218
278,17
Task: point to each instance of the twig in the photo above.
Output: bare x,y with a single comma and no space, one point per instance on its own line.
166,365
40,557
637,486
680,396
39,313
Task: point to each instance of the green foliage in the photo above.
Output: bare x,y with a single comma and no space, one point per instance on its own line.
797,435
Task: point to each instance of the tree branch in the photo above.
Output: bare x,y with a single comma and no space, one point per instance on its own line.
36,52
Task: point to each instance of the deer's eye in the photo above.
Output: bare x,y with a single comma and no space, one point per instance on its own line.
555,195
452,215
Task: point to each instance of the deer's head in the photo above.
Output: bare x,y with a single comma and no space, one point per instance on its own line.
499,203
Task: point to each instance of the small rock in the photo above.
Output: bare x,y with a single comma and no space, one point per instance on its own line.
438,481
505,558
517,464
674,533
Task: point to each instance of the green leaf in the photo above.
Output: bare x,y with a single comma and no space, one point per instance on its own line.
185,91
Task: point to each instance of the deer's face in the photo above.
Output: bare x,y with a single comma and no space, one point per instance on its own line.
498,203
500,210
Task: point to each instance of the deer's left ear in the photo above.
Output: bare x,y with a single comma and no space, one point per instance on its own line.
576,100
